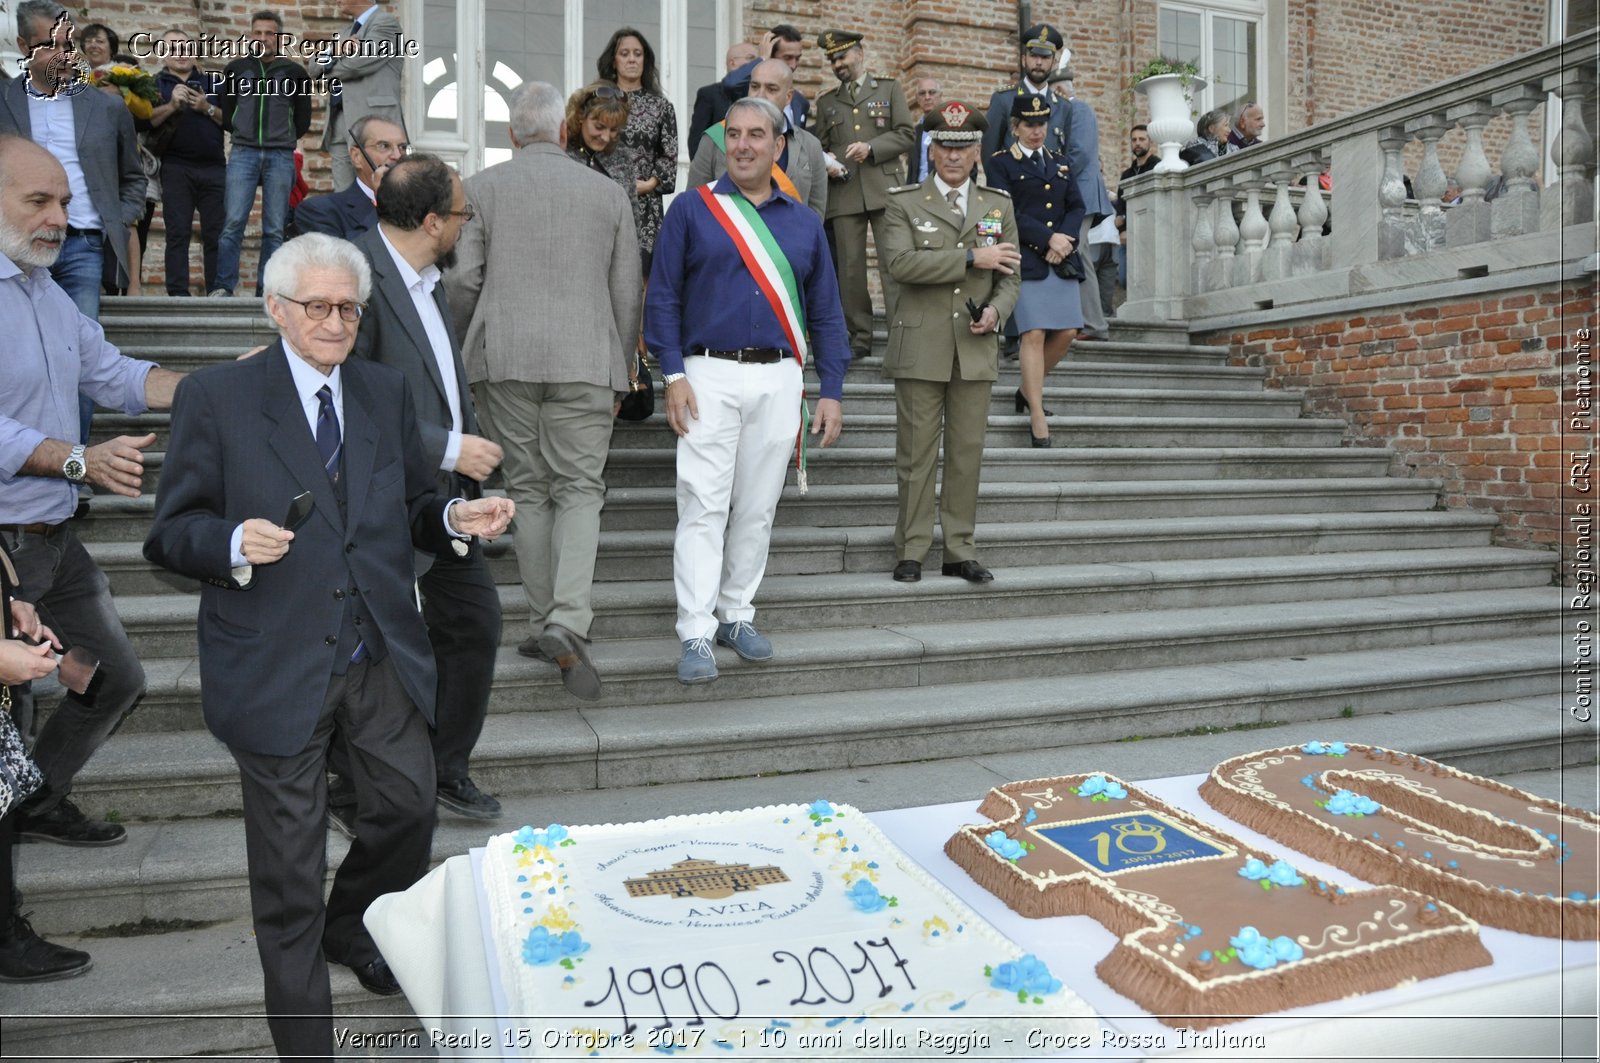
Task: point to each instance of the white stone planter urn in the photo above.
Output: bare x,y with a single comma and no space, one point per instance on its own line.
1171,123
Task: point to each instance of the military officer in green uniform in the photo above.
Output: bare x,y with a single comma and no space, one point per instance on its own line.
951,246
865,126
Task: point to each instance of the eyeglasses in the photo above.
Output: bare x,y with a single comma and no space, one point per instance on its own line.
609,92
466,213
402,148
319,309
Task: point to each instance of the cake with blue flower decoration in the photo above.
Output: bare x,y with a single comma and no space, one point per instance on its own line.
1503,856
1211,929
794,930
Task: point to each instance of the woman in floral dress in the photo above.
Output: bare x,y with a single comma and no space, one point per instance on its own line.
649,141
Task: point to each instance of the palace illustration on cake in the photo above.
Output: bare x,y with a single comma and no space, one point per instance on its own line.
704,878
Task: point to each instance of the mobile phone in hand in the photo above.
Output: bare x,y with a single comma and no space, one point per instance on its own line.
300,509
975,310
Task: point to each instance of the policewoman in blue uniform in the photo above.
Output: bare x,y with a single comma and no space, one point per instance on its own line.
1049,212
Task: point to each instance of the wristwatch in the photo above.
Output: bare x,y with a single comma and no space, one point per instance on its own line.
73,468
672,378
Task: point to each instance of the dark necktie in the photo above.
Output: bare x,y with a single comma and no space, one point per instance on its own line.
328,441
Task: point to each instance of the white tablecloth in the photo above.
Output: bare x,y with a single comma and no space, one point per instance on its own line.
1538,999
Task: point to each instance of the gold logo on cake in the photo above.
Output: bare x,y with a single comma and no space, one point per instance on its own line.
704,878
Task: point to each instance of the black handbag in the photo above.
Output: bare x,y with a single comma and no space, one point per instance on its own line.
640,402
1071,267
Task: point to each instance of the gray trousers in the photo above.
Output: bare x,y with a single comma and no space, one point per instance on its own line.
1094,318
556,439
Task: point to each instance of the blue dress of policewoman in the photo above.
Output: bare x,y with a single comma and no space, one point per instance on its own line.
1049,212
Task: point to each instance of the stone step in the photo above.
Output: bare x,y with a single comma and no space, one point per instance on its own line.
210,984
864,662
114,518
633,555
193,868
163,625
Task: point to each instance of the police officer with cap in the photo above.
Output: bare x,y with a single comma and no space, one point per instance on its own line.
1041,45
951,246
865,127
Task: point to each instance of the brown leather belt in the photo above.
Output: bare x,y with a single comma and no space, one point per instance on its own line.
747,355
32,529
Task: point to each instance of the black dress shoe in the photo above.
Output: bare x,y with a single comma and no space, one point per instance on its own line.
463,797
1022,405
908,572
1039,442
970,571
375,977
27,957
529,647
66,825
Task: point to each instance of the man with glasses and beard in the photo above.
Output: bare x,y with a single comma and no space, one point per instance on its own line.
52,351
407,325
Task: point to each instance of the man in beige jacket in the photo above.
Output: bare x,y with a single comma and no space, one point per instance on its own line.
548,291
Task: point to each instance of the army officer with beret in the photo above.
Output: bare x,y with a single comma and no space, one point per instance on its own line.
865,125
951,246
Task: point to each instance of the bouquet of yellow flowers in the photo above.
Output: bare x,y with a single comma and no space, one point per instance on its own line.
138,88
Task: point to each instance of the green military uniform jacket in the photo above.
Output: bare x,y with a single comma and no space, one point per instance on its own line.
926,253
879,116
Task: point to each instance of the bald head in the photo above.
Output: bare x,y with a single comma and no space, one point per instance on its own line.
773,81
33,203
739,53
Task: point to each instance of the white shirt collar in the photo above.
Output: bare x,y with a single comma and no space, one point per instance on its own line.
362,18
944,189
372,197
427,277
308,379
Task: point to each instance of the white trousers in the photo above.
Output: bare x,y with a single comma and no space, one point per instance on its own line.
731,470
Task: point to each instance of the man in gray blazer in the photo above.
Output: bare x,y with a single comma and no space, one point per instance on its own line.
407,325
548,293
366,61
802,160
91,135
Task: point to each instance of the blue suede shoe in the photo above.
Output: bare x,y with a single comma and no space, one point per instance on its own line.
742,637
697,665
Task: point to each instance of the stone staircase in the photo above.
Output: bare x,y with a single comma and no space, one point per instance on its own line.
1193,554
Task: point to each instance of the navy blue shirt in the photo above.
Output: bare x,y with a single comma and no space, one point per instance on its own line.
198,138
702,295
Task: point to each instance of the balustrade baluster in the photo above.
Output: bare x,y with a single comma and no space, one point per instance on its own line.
1392,196
1516,209
1203,241
1430,182
1310,249
1275,261
1571,198
1468,223
1225,235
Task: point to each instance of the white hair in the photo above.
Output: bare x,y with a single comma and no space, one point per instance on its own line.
314,251
537,111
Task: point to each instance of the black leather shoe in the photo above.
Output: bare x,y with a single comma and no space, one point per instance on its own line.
529,647
66,825
570,652
1039,442
375,977
27,957
970,571
908,572
463,797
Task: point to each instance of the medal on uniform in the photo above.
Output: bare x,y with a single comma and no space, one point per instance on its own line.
989,226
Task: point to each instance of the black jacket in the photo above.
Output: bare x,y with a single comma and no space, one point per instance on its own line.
266,103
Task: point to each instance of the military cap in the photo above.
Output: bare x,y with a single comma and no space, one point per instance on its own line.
955,123
1029,107
1042,39
833,42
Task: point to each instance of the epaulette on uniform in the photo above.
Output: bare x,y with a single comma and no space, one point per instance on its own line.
996,191
905,188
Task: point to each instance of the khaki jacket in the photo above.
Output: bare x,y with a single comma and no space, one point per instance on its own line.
925,251
880,117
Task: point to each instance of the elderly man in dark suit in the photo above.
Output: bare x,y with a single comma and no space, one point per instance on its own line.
375,145
364,65
407,325
312,628
548,294
90,134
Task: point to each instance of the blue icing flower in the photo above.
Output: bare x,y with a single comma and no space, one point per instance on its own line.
1576,896
1315,749
820,808
1283,873
1027,972
1337,749
543,948
1030,817
1253,869
1345,803
1286,949
865,896
1009,848
1258,955
1092,785
523,836
1247,937
550,837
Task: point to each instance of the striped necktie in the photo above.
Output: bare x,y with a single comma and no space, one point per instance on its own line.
328,441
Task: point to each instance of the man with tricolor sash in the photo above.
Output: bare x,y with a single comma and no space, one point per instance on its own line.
801,169
742,291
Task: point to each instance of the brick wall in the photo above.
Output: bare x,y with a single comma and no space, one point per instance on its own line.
1468,391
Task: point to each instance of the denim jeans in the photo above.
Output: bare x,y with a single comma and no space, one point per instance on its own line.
74,598
272,170
77,270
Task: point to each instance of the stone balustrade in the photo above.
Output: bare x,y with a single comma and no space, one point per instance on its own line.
1254,231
